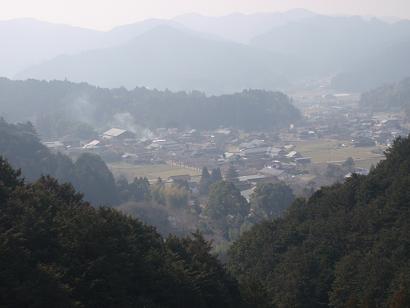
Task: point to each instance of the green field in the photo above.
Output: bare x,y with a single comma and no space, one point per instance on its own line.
329,151
152,172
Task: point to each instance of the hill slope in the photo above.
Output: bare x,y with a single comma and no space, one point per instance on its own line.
347,246
56,250
389,97
20,145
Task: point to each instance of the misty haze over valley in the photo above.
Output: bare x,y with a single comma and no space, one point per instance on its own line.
249,154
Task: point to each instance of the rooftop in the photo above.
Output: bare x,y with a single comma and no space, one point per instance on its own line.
114,132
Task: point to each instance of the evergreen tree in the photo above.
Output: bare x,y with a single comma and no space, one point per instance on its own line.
349,164
269,201
227,208
216,175
205,181
140,190
231,174
95,180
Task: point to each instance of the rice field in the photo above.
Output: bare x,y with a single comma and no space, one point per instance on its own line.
152,172
331,151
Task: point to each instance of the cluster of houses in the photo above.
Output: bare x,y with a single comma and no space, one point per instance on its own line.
257,156
348,121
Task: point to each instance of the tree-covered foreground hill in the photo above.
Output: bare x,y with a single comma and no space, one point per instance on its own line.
347,246
58,251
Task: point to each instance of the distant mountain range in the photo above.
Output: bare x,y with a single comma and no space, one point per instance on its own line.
212,54
168,58
339,44
242,28
28,42
383,65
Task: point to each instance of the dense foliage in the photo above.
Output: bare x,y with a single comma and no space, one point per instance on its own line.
227,208
81,103
207,179
58,251
89,174
270,200
347,246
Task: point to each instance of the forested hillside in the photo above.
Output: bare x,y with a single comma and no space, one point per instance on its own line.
61,106
390,97
89,174
347,246
58,251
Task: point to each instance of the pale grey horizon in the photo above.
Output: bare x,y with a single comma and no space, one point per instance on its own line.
106,14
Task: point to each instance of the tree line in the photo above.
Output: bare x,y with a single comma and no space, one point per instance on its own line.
60,108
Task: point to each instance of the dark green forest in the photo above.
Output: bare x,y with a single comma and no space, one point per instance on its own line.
58,251
347,246
62,107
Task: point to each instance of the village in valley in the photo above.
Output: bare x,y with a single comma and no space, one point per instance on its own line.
335,139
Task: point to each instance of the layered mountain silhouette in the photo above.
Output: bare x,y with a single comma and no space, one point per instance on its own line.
213,54
242,27
166,57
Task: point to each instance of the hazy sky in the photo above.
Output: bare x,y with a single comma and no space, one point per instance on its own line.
104,14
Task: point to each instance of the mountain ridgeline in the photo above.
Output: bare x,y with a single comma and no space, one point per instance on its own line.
168,58
41,101
335,45
216,55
